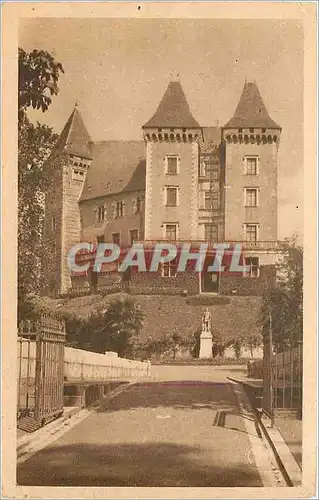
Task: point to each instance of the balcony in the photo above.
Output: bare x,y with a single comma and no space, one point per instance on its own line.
246,245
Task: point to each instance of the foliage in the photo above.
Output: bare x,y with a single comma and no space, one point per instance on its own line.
35,145
219,344
113,329
168,344
283,303
38,77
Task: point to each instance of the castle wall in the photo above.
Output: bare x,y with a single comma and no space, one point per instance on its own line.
112,224
236,214
186,211
52,233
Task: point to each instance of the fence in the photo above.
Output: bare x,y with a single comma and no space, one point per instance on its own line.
282,379
286,368
40,368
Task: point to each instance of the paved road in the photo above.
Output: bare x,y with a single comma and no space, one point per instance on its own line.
187,432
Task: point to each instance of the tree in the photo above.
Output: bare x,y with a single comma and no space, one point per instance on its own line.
253,340
35,144
283,302
116,328
39,73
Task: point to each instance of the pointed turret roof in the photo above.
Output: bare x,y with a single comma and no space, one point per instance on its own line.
173,110
251,110
74,138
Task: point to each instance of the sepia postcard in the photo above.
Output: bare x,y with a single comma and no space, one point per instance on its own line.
159,250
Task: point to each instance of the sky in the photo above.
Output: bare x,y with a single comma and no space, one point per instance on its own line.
118,70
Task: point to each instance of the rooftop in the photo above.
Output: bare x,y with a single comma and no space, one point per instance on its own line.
251,110
173,110
117,167
74,138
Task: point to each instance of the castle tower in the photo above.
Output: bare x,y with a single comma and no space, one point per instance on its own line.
72,158
172,153
251,141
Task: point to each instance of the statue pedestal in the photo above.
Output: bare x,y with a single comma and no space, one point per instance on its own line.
206,344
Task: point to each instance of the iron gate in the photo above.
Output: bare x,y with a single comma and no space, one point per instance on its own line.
40,370
282,380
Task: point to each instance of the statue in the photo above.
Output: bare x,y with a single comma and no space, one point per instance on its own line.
206,338
207,321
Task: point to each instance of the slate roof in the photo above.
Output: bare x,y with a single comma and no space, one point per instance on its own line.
211,139
74,138
117,167
173,110
251,110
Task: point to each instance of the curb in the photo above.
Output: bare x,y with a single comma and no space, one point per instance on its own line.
284,458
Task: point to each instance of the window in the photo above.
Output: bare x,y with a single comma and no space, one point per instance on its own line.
171,165
215,200
77,175
119,209
211,200
137,205
101,213
208,204
202,168
251,232
263,130
171,196
169,269
251,197
253,263
251,130
133,235
211,232
53,224
214,175
171,232
251,163
240,130
116,239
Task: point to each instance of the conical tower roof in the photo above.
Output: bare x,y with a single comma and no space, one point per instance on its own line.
173,110
251,110
74,138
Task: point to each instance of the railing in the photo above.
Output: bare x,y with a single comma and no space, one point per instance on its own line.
246,245
282,379
286,370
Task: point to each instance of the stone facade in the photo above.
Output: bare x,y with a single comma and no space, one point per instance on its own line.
183,182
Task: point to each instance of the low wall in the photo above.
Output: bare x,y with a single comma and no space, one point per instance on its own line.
83,365
90,366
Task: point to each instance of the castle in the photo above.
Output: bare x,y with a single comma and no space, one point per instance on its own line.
182,182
